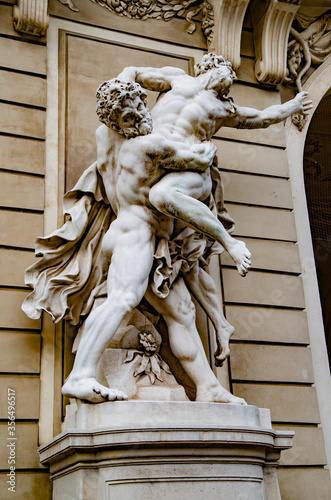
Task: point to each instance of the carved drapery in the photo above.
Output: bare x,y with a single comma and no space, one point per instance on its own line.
229,16
160,9
271,32
30,16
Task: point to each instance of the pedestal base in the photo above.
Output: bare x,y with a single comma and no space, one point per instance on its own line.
165,450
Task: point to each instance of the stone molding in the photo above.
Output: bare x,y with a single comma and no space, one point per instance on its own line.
30,16
131,449
271,33
229,17
161,10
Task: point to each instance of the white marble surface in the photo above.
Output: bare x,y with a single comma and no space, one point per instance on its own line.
173,450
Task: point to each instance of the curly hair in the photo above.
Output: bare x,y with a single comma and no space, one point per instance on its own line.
110,96
211,61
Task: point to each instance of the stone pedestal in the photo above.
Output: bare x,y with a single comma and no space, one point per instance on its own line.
146,450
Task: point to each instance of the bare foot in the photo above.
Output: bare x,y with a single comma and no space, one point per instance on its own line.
218,394
88,389
223,335
241,255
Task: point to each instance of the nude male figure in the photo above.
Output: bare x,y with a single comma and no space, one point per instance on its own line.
129,244
124,293
191,112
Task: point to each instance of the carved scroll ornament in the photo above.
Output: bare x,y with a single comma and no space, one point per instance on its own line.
160,9
229,16
271,34
30,16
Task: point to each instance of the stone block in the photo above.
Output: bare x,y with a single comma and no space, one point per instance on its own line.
308,446
29,485
271,363
260,222
287,403
13,264
21,56
17,154
19,120
304,483
257,190
26,455
11,314
254,158
24,89
270,255
263,289
20,229
20,352
21,191
26,394
266,324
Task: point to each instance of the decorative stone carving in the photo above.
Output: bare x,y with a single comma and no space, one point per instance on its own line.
30,16
160,9
229,16
271,31
139,231
310,44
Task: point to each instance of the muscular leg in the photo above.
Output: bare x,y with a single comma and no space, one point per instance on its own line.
177,195
202,286
130,242
179,314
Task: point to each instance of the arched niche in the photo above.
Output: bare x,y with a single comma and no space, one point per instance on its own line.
317,178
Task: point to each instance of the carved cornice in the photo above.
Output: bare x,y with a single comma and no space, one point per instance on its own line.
229,17
30,16
271,32
160,9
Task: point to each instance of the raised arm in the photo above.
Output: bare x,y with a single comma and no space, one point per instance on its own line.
253,118
157,79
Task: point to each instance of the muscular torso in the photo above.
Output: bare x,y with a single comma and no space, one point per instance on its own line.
128,172
188,112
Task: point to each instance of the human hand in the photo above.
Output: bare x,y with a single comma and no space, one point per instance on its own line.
206,151
303,106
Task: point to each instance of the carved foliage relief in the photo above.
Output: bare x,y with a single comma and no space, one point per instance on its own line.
310,44
160,9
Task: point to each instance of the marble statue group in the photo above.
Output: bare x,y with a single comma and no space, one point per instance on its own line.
145,219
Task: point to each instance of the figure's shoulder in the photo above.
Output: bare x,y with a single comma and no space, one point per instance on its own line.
101,132
105,136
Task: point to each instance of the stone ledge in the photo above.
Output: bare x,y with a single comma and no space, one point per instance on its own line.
162,446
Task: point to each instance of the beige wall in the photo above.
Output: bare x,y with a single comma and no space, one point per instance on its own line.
270,364
22,162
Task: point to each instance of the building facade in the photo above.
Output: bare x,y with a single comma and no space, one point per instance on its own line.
50,67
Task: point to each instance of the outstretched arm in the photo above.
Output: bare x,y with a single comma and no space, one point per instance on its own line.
158,79
253,118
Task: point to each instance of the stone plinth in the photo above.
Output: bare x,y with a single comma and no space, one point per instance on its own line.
146,450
